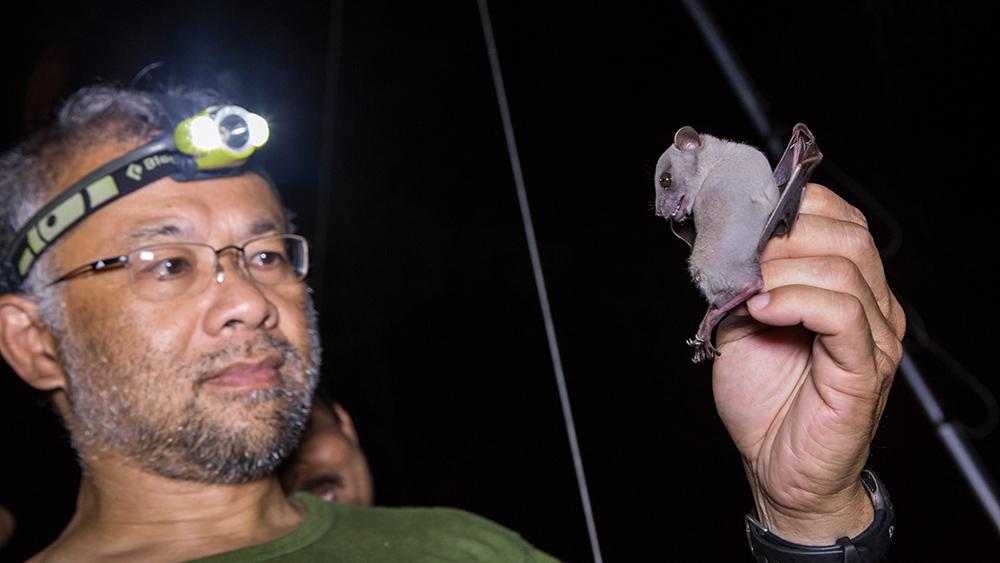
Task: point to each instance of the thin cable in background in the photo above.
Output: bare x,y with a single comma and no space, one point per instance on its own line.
536,264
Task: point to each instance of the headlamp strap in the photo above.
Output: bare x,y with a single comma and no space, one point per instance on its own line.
129,172
115,179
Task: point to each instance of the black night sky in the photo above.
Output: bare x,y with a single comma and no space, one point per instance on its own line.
387,140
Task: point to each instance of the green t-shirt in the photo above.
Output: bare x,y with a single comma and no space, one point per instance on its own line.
346,533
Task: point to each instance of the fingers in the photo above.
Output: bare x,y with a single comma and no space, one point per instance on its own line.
837,275
846,367
829,226
830,257
820,200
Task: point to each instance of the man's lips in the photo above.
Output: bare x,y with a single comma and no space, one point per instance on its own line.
249,375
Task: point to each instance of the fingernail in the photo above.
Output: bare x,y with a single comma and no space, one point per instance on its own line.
759,301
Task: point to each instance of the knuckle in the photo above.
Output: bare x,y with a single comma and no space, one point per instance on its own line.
840,272
824,201
898,318
858,241
889,360
853,309
892,346
856,216
896,353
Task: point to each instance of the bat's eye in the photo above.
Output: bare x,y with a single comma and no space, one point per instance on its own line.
665,180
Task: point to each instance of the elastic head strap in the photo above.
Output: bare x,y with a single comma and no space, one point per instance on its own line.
122,176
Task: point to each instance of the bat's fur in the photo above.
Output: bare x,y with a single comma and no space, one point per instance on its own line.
730,192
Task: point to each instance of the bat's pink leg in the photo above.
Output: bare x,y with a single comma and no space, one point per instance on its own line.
702,341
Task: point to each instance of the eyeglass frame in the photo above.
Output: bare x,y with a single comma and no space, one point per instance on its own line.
105,263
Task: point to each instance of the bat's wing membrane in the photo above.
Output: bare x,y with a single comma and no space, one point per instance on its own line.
791,174
684,231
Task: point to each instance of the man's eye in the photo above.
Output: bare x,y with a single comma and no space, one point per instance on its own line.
168,268
268,259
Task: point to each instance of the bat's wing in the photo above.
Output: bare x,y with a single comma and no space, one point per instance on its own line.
791,174
684,231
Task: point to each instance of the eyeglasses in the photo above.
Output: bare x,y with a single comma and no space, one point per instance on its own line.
167,271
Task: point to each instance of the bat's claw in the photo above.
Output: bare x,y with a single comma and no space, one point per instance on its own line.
703,349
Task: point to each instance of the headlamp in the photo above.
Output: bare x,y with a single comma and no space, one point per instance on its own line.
214,143
221,136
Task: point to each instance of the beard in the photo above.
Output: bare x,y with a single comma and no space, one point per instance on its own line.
126,394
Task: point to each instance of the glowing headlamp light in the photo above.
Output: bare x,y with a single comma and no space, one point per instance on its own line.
221,136
213,143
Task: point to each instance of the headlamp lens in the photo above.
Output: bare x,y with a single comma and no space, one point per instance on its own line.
235,132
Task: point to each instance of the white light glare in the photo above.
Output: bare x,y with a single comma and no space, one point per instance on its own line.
259,131
205,133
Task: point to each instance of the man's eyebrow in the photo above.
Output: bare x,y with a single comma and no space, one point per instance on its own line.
153,233
161,232
265,226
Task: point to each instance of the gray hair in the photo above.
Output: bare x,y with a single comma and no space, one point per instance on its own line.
99,114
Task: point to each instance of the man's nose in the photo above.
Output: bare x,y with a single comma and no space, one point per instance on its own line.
238,301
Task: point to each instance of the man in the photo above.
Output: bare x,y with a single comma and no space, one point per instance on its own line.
172,327
329,462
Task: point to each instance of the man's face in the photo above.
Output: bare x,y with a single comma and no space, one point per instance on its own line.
329,462
211,387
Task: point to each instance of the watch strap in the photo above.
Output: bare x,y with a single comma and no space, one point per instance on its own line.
867,547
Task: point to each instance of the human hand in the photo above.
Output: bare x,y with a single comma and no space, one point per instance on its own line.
802,381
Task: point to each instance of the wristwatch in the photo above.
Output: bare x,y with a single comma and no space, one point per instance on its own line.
867,547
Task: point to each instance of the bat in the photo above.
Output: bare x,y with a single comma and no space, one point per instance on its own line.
736,204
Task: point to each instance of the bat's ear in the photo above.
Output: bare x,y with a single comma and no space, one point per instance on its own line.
687,139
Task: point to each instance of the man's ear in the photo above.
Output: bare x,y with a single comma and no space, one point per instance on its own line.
27,344
346,424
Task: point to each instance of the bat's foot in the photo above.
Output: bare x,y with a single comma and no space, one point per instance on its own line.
703,349
702,341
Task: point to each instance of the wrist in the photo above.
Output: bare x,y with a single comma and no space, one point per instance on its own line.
848,513
870,545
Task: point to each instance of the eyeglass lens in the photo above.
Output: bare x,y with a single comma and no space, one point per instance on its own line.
174,270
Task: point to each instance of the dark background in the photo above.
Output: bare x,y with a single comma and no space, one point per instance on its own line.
387,138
